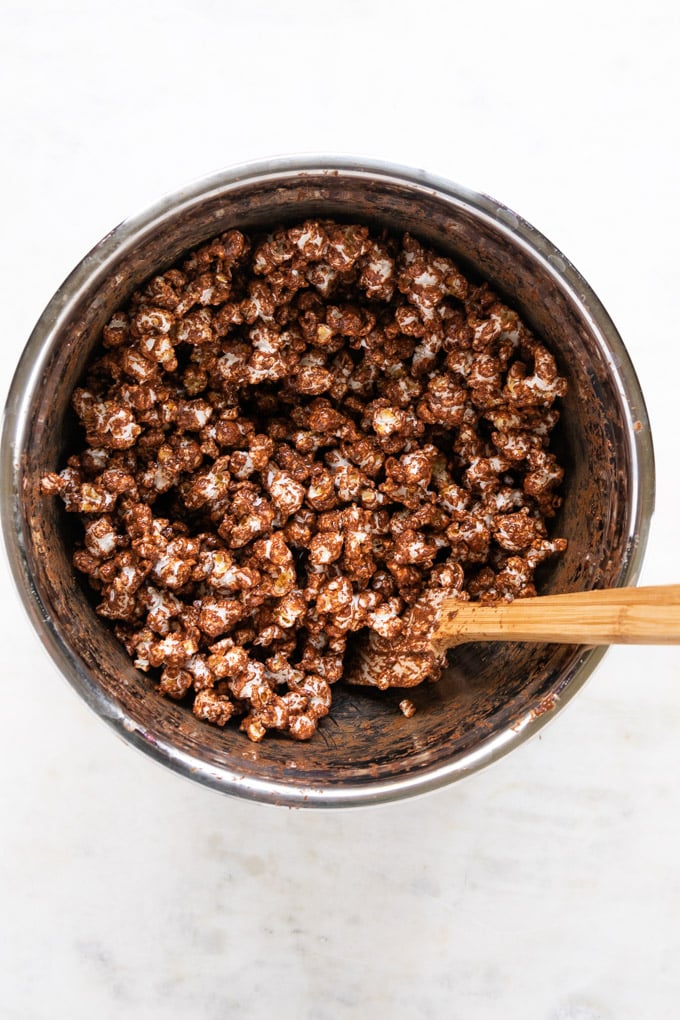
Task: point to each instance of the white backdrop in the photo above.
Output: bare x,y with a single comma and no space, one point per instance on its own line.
547,887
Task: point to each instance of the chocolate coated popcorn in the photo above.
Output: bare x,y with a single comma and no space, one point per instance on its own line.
299,440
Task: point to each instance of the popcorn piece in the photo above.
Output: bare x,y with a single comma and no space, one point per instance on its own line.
407,708
213,708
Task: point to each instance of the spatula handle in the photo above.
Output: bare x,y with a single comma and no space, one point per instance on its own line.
633,616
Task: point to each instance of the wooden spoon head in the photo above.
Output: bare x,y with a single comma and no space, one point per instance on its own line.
398,665
407,660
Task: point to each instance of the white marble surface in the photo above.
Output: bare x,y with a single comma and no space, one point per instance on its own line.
545,888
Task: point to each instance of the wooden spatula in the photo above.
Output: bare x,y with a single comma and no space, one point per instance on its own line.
611,616
644,616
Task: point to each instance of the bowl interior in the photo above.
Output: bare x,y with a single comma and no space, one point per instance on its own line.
491,691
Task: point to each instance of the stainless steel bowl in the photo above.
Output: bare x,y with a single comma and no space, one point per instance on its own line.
494,696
